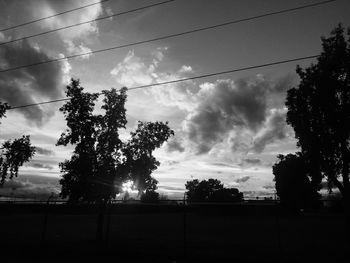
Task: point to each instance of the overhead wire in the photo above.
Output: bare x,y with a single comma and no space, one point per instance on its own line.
50,16
85,22
186,79
167,36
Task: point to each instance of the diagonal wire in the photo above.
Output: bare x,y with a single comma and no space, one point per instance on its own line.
225,72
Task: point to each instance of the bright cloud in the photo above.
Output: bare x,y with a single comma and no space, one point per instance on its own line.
185,69
133,71
77,49
74,37
48,8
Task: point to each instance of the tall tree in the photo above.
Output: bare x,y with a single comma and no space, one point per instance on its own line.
319,112
101,161
139,161
292,179
111,172
13,153
79,178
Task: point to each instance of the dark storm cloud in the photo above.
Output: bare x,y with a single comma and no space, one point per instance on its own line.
175,145
247,114
40,166
14,184
43,151
28,189
26,85
285,83
276,129
224,106
242,179
39,179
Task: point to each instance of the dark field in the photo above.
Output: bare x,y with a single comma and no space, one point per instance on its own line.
243,233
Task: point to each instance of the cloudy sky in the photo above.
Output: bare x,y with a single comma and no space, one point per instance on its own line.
229,127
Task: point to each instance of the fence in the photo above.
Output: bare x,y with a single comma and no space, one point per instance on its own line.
171,228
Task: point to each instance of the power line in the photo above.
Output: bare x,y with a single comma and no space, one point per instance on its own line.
166,37
186,79
85,22
226,72
39,103
46,17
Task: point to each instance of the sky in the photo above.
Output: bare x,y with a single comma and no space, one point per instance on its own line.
229,127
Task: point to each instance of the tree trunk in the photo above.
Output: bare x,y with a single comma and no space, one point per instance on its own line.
331,174
337,184
345,176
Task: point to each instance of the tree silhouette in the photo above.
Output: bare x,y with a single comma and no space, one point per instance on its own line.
101,161
79,172
319,112
150,196
211,190
3,108
13,153
293,185
139,161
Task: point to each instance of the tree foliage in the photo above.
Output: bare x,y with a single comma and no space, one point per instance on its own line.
292,179
319,112
150,196
3,108
211,190
13,153
139,160
101,161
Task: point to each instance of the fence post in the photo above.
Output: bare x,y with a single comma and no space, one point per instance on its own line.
46,215
278,229
109,209
185,228
100,222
